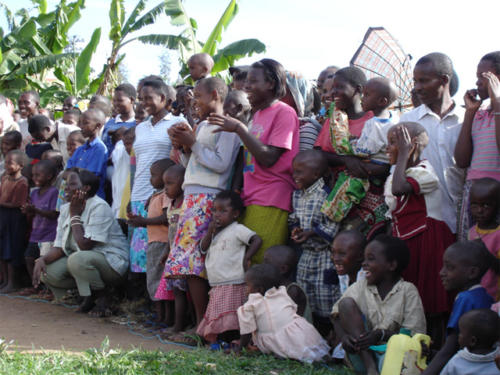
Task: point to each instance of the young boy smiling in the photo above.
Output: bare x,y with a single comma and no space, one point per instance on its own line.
92,155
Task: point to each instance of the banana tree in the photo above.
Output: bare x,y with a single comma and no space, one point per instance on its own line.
186,42
32,51
120,31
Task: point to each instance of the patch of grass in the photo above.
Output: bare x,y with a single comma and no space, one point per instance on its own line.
199,361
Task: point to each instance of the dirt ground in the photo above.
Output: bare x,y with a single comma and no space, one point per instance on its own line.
44,326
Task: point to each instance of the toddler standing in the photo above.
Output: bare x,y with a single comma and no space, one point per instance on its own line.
14,192
42,207
156,224
229,247
314,232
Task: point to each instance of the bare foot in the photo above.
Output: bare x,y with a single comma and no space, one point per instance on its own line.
87,305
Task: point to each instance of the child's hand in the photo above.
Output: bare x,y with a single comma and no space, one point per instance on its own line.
225,123
182,134
403,140
471,101
368,338
295,233
493,89
302,236
355,167
349,344
77,204
136,220
28,209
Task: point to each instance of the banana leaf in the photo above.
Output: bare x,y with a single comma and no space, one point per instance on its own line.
215,36
83,62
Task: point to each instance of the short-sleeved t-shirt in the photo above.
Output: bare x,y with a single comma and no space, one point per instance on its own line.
44,229
278,126
472,299
14,191
157,203
224,261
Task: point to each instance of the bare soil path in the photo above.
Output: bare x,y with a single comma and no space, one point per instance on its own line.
44,326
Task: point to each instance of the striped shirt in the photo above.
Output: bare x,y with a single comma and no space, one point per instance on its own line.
485,157
151,143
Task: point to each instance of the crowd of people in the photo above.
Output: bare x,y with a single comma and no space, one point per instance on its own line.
311,221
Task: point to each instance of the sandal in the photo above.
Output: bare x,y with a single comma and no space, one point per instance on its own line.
183,338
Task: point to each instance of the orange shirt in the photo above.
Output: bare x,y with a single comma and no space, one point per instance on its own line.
157,203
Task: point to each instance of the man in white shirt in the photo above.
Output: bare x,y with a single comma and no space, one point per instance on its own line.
442,118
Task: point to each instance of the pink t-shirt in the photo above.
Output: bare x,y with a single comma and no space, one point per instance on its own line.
276,126
355,128
485,156
491,238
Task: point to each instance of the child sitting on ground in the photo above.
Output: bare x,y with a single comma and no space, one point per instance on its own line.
14,192
314,232
464,265
270,318
378,94
285,259
484,198
40,129
42,208
93,155
413,196
479,334
377,307
157,227
173,290
229,247
10,141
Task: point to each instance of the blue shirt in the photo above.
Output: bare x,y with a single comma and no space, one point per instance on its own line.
92,156
113,124
472,299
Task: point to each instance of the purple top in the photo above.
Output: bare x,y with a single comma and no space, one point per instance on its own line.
44,229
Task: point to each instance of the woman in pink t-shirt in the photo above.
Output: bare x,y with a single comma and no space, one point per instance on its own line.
271,142
345,89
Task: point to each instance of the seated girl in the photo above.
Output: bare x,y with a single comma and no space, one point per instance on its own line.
377,307
270,316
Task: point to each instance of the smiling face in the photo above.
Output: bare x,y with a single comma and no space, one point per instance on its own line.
346,254
258,89
203,101
304,174
27,105
392,145
344,94
73,184
41,176
428,85
8,144
152,102
122,104
223,213
375,264
89,125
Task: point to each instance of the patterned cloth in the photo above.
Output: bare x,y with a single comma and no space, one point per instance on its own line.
465,220
139,239
311,277
307,215
185,258
221,314
347,190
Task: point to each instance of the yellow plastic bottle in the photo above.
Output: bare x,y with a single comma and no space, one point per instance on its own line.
404,355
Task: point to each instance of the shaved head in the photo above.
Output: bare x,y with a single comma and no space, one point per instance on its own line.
203,59
384,87
313,158
96,114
